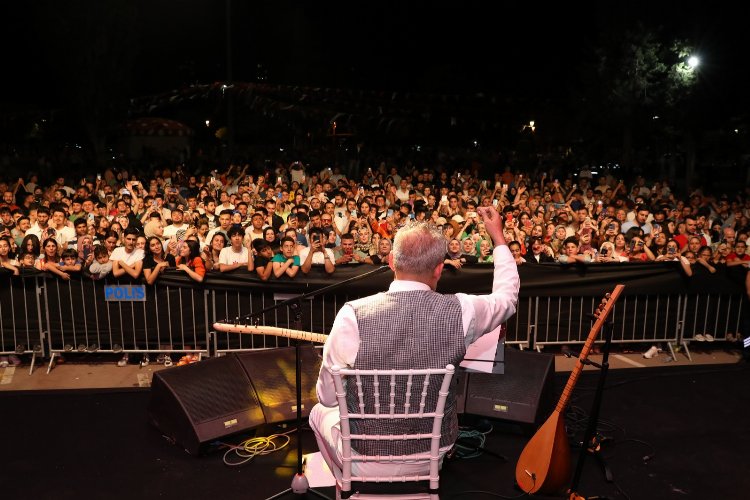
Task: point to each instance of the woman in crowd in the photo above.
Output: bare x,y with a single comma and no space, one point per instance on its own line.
469,249
537,231
102,227
140,242
154,227
639,252
111,241
621,251
381,256
485,252
450,230
50,258
453,256
30,244
515,251
558,239
704,257
116,228
375,240
363,243
671,252
658,244
7,259
155,260
719,259
201,231
213,249
189,260
269,234
609,230
607,253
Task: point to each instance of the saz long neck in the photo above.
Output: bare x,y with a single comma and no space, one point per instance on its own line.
272,330
601,319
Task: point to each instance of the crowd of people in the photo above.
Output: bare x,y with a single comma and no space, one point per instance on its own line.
283,221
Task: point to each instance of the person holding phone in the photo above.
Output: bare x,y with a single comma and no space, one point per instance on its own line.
316,253
346,253
671,252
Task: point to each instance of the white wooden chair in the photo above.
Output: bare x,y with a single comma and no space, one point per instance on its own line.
419,467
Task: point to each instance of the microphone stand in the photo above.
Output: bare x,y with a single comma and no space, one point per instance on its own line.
300,484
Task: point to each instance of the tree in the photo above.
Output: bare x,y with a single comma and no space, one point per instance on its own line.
637,76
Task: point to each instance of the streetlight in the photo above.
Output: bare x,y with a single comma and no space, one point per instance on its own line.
693,62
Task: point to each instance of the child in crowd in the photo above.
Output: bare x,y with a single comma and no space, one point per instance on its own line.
69,261
27,260
101,266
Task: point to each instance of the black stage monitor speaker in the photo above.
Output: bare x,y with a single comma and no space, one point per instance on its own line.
272,373
523,394
202,402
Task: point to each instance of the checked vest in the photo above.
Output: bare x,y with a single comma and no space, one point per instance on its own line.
417,329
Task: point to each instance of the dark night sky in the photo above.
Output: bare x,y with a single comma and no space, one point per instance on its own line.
497,47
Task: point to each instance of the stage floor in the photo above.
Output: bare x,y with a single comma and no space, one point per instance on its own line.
672,430
100,371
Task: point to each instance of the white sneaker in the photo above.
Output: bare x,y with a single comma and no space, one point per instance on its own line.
709,337
699,337
653,351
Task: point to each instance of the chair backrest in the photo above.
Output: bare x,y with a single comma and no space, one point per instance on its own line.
396,402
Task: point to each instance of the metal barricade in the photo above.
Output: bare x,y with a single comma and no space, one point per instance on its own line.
520,328
716,315
80,319
21,325
636,319
42,314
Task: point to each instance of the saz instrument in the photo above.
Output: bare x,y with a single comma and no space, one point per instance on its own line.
544,465
272,330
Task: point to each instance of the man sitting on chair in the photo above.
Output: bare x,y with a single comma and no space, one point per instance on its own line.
411,327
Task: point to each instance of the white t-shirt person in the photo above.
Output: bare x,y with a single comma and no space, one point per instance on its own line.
129,258
317,257
229,256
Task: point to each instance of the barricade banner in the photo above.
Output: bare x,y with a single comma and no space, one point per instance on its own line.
81,318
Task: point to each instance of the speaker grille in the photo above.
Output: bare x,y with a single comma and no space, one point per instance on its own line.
211,389
273,373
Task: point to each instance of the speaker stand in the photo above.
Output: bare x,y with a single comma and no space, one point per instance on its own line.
592,442
300,485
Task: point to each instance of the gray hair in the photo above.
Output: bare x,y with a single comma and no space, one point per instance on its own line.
418,248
